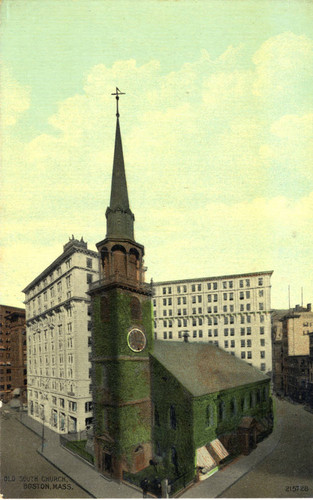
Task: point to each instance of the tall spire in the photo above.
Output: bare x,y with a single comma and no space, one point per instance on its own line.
120,219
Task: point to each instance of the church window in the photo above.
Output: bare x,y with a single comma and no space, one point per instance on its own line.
173,422
135,308
221,410
233,406
209,415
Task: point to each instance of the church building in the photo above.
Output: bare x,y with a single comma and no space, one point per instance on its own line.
180,407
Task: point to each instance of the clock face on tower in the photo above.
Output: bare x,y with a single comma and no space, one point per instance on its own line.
136,340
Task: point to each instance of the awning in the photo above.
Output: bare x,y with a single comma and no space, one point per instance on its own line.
219,449
204,459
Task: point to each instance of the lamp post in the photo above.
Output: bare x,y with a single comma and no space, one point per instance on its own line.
43,430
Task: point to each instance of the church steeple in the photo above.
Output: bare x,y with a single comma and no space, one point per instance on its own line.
120,219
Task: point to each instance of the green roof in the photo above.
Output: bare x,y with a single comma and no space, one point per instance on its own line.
205,368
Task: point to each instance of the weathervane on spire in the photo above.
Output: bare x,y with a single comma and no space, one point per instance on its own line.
117,94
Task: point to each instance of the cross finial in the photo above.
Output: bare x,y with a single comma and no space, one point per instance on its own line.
117,94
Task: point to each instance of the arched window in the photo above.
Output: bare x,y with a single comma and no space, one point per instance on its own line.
173,422
135,308
209,415
221,410
156,417
119,259
174,456
233,406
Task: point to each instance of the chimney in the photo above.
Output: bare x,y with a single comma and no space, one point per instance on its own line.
309,307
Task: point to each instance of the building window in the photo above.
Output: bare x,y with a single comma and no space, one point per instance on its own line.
249,354
194,333
89,263
170,335
200,333
243,355
221,410
209,286
164,290
209,298
178,289
88,406
249,330
260,281
226,343
261,330
249,342
262,342
169,289
209,416
173,422
72,405
261,306
193,288
247,282
232,343
88,278
164,335
263,367
260,293
262,354
243,343
215,297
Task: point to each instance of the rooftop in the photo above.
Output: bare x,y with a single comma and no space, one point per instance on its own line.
213,278
205,368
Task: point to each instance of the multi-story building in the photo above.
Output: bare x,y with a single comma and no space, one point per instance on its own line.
232,312
58,320
291,352
13,371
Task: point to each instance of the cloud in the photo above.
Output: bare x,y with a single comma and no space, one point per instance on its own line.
15,99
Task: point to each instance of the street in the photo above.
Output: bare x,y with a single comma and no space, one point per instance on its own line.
288,470
24,472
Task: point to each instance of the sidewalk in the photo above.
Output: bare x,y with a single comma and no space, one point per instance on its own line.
215,485
85,476
78,470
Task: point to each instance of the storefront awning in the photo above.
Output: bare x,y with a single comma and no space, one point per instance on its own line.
219,449
204,459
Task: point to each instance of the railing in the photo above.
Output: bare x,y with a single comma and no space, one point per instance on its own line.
120,279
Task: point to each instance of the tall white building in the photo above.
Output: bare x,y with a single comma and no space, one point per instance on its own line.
233,312
58,325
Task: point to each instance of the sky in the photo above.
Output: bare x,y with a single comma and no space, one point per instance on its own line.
217,130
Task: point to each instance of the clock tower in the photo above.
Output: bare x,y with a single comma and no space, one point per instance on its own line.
122,338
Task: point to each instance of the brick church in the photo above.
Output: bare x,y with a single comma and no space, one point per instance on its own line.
179,407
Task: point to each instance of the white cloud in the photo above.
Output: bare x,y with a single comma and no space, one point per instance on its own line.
15,99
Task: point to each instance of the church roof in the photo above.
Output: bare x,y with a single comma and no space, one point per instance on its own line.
204,368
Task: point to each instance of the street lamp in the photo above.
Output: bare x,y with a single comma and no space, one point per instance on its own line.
43,430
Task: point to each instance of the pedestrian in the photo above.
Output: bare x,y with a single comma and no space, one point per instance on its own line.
144,486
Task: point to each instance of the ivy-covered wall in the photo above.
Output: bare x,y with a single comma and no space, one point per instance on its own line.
167,392
221,412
